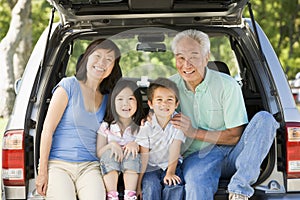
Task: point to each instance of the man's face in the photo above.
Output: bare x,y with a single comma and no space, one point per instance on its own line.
190,62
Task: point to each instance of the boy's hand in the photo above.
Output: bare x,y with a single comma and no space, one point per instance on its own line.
116,151
139,192
171,179
131,148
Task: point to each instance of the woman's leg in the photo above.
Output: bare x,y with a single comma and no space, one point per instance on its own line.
89,182
60,181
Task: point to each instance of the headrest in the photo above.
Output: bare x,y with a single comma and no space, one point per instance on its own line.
218,66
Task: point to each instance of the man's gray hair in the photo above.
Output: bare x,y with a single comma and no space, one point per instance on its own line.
198,36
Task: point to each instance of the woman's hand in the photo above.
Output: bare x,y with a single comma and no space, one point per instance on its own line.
41,184
171,179
116,151
184,123
131,148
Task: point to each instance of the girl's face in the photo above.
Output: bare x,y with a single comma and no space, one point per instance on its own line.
163,102
125,103
100,64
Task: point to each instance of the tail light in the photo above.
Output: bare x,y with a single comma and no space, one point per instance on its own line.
293,149
13,158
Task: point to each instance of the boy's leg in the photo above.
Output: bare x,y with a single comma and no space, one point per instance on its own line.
201,171
247,156
151,184
174,191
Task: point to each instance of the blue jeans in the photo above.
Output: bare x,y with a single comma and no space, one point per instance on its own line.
153,186
203,169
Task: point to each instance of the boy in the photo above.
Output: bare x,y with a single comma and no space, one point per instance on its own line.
160,143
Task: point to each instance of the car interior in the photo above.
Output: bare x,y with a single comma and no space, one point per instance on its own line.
141,61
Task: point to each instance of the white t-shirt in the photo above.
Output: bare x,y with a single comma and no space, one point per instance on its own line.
152,136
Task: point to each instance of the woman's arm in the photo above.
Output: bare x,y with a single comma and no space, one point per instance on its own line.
56,109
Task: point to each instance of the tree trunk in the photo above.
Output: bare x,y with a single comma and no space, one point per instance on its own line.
8,46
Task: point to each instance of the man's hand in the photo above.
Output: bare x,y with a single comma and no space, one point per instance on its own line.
183,123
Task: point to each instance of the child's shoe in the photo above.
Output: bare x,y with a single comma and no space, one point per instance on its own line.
112,195
130,195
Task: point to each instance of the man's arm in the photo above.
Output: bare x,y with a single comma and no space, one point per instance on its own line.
225,137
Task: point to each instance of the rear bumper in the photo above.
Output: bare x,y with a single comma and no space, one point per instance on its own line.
264,196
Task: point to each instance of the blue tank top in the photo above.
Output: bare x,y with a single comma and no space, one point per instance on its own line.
74,139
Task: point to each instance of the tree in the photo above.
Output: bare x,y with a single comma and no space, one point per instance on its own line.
12,49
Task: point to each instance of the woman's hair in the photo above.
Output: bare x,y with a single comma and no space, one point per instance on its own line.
109,82
199,36
111,115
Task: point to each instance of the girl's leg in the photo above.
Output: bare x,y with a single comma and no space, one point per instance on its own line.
111,180
130,180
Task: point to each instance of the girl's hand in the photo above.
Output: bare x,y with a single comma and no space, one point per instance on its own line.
131,148
116,151
171,179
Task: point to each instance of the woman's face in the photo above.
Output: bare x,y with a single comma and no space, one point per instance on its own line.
100,64
125,103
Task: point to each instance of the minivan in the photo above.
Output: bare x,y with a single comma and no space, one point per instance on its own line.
143,30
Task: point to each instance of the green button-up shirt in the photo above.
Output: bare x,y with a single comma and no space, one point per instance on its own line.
217,104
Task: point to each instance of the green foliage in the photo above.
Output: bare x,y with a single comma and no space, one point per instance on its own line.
281,23
279,19
41,13
5,18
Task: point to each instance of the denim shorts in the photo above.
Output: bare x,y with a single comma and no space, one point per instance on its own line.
108,164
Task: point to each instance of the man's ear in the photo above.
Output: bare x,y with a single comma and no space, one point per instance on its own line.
177,104
150,104
207,56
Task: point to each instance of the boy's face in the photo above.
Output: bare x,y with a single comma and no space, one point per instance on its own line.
163,102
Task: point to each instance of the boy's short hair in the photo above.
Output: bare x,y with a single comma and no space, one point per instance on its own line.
165,83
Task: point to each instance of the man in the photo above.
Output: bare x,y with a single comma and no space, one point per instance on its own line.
213,117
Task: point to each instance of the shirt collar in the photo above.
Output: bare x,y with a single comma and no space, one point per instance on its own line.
202,87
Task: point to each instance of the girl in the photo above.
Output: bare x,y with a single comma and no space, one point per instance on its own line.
115,143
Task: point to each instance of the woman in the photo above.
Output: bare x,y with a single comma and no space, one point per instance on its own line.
69,167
